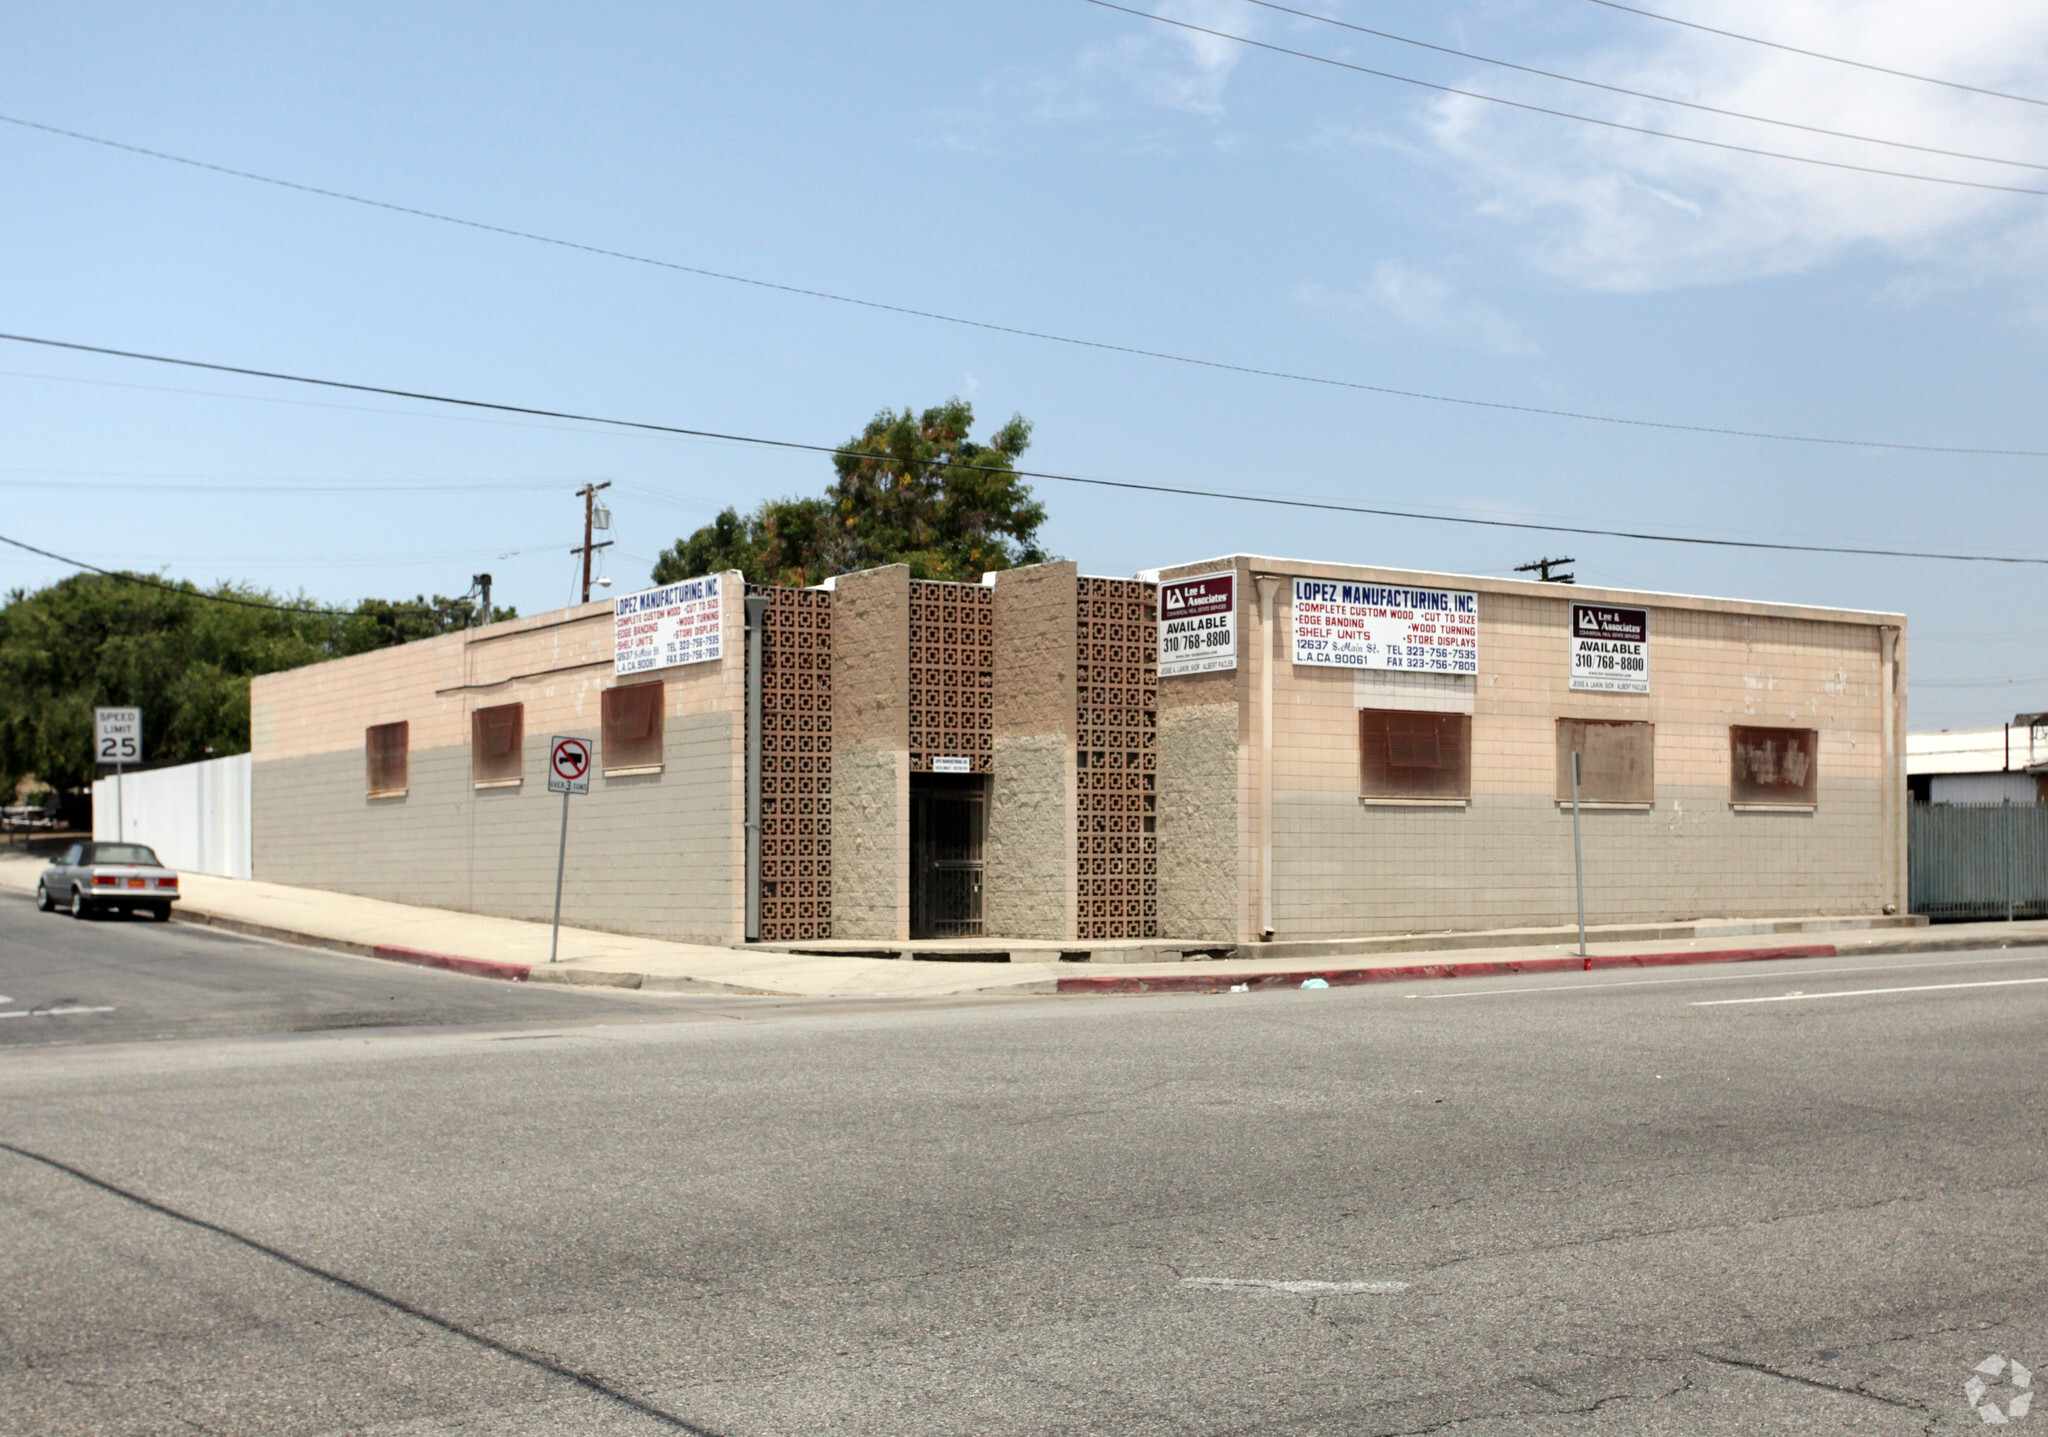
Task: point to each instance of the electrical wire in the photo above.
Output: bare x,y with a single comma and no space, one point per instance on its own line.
1818,55
1563,114
1323,506
1102,346
1645,95
148,583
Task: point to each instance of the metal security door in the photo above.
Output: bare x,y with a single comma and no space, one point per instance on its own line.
946,816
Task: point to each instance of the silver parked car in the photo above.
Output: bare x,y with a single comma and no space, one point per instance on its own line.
115,876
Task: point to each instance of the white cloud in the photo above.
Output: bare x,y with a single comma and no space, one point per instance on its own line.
1428,304
1630,212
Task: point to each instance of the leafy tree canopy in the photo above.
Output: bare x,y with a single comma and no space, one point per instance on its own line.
911,489
181,657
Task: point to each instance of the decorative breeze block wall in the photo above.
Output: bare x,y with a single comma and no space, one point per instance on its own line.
1116,757
796,764
952,674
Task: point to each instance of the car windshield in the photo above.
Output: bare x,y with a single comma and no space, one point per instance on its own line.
123,853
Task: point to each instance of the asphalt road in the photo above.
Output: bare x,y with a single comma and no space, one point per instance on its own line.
1581,1205
110,979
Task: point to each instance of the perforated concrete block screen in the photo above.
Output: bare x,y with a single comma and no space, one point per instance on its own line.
495,736
632,727
1617,760
1773,765
1403,754
384,751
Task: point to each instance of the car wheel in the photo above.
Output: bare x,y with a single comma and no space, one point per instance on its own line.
161,912
43,902
79,907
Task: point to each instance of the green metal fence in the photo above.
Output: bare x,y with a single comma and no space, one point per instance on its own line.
1978,860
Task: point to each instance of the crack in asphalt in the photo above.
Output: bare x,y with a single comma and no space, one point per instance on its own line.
590,1381
1769,1371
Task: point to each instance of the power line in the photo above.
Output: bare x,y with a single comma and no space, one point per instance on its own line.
1645,95
1103,346
1128,484
1565,114
1818,55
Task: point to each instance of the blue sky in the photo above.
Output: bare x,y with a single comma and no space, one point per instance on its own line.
1057,166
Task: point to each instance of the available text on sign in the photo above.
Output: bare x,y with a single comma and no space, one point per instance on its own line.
661,628
568,765
1610,649
1376,626
1198,624
117,735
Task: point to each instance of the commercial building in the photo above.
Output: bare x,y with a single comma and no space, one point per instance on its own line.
2006,763
1204,756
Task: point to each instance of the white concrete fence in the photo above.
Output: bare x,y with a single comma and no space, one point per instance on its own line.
196,815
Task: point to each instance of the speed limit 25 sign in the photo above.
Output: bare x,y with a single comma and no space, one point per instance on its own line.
117,735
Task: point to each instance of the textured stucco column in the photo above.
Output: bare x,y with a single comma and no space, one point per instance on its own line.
871,754
1201,735
1030,887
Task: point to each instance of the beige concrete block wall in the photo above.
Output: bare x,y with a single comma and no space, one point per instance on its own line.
657,854
1031,886
1346,867
871,754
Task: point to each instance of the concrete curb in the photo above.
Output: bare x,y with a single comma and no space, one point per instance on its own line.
1344,977
1199,981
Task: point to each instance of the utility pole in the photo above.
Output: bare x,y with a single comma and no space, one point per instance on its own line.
1542,567
594,516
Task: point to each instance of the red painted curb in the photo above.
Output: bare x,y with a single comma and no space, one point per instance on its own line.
1343,977
474,967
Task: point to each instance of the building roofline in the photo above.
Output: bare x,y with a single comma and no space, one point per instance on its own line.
1486,583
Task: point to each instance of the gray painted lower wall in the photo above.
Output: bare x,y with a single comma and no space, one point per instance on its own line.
1342,868
870,850
1028,854
1197,827
649,854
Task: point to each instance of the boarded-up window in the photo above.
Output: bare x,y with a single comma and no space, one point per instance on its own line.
1616,760
632,727
1414,755
384,747
495,738
1773,765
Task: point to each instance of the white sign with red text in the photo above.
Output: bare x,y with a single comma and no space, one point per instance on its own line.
661,628
1384,626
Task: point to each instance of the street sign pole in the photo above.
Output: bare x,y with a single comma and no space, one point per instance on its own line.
1578,857
561,860
569,761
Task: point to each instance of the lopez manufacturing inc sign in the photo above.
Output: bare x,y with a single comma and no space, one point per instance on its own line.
661,628
1379,626
1610,649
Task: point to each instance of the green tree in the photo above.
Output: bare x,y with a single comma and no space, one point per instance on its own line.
183,655
910,489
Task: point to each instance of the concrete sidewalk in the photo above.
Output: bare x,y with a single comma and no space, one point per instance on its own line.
510,949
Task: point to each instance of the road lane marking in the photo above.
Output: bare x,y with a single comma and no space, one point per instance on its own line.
1298,1289
1751,975
51,1012
1866,992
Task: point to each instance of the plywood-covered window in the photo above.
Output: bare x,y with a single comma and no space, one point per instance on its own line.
632,728
1616,760
1773,765
1414,755
496,736
384,751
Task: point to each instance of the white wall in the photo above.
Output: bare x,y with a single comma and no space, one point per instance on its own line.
1982,788
196,816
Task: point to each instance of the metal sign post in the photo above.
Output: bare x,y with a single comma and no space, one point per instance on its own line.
568,772
117,739
1578,857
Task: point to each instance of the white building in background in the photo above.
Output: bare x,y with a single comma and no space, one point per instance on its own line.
196,815
2007,762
